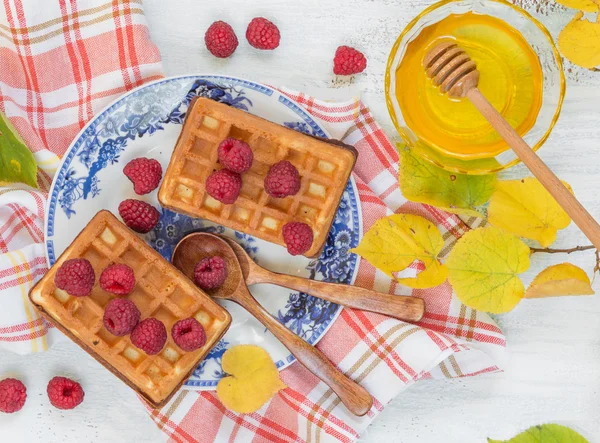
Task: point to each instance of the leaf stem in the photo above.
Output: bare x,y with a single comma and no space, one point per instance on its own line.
562,251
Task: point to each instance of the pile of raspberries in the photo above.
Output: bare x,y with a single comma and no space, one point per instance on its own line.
282,180
121,315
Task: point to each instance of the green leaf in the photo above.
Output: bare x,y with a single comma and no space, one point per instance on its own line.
423,182
550,433
483,269
16,160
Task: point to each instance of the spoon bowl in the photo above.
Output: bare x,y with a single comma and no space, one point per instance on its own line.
200,245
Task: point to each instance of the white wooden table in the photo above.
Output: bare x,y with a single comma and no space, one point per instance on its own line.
554,367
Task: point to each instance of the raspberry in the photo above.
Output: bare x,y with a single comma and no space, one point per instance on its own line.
13,394
348,61
224,185
144,173
117,279
121,316
263,34
298,237
188,334
150,335
282,180
65,393
235,155
211,272
139,215
76,276
220,39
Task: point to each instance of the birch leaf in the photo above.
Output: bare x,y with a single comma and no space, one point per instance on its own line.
559,280
483,269
579,41
252,381
17,164
393,243
582,5
423,182
550,433
526,209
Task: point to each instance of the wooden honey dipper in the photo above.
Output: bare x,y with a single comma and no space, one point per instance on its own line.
456,74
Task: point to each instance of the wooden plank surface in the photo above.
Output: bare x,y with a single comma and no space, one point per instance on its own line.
552,373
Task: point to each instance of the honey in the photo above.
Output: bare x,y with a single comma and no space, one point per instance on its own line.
511,79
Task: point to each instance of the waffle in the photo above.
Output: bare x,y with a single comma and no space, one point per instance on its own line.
161,291
324,167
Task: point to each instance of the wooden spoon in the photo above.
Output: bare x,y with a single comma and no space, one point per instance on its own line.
456,74
403,308
194,247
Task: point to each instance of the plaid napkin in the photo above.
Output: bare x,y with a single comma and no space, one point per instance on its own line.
62,61
382,354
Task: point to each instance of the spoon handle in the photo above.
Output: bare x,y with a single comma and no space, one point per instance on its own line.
353,396
403,308
539,169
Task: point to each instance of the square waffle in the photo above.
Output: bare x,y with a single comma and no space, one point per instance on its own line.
324,167
161,291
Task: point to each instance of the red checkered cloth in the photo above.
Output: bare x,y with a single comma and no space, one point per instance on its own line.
382,354
62,61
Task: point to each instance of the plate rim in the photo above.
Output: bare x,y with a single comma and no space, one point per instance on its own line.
68,156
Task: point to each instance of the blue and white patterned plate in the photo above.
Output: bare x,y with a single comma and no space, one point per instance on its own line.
147,122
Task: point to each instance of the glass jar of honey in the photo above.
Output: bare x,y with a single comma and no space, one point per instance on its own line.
521,75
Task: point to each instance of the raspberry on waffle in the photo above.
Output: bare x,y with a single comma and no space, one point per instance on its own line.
324,168
160,292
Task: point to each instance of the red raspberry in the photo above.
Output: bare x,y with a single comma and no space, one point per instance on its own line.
282,180
188,334
65,393
139,215
117,279
263,34
298,237
220,39
13,394
121,316
150,335
211,272
144,173
348,61
235,155
224,185
76,276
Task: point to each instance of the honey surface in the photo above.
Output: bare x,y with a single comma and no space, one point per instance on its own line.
511,79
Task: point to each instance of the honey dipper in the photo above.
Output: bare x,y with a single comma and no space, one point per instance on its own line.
451,68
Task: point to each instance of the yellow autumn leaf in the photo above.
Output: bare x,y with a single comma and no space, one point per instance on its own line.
483,269
252,381
579,41
559,280
393,243
423,182
526,209
582,5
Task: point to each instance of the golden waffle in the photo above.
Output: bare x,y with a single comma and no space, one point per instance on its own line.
161,291
324,168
